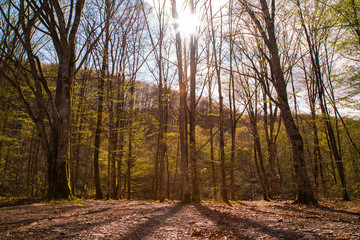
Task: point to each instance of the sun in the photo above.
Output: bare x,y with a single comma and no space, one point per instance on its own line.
188,23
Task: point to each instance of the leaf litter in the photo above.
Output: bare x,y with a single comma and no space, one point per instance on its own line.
148,220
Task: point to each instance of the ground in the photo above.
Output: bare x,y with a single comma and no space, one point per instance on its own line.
147,220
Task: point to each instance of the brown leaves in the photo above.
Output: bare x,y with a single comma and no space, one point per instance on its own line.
150,220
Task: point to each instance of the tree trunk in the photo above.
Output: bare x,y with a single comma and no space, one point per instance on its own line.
217,63
130,137
212,159
79,122
232,105
119,126
182,111
98,194
192,116
252,111
270,134
304,190
51,112
162,129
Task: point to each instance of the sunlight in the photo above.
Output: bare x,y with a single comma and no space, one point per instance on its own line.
188,23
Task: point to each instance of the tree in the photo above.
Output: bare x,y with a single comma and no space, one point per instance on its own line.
232,103
267,32
183,107
101,93
58,22
252,109
192,113
217,65
122,22
316,42
79,107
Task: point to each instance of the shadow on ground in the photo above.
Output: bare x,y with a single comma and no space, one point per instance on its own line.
238,225
144,229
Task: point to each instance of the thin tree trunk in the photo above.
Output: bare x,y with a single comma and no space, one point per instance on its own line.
120,125
101,92
212,159
217,63
182,111
305,193
98,194
232,105
192,116
162,133
252,110
79,120
270,119
130,138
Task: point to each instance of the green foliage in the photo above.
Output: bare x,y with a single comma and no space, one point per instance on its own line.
349,79
348,14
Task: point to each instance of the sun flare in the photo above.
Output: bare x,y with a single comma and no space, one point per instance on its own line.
188,23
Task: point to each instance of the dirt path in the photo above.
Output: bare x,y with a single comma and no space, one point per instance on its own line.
150,220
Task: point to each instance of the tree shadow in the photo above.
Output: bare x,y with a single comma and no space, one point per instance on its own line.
144,229
88,219
20,202
261,211
38,210
316,214
338,211
236,224
242,203
312,214
93,212
66,229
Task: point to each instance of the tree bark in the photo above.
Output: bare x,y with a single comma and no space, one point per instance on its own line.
212,159
101,88
192,116
182,111
232,109
304,189
217,63
318,78
51,112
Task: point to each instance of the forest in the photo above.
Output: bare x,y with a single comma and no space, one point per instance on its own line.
180,100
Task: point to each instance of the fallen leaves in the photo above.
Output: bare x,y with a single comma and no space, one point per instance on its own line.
151,220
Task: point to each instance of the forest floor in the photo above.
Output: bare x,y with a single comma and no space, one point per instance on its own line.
147,220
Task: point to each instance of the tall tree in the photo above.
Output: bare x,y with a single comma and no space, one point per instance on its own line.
266,27
315,43
232,105
217,52
59,22
78,128
101,98
183,107
192,113
135,60
211,127
158,43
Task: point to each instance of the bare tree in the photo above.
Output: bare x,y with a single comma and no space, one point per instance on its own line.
182,110
31,24
315,43
264,21
217,54
192,113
